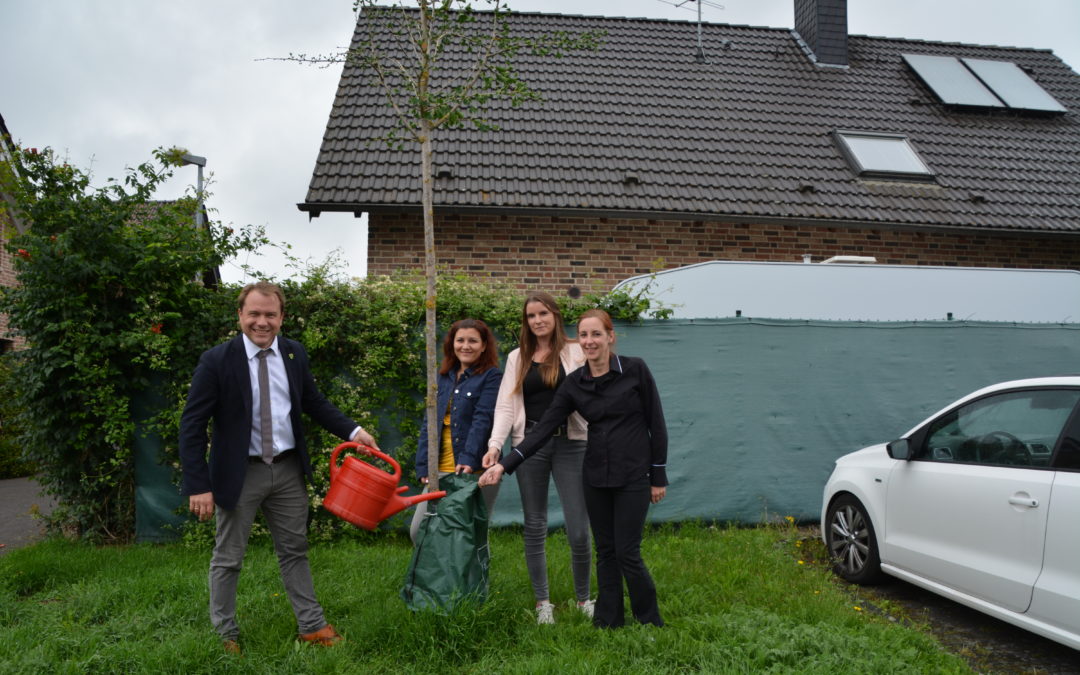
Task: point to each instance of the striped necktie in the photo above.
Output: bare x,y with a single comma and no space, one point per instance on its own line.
266,420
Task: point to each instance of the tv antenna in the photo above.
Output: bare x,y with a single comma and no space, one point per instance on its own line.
700,55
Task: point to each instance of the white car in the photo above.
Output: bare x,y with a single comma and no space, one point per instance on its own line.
979,503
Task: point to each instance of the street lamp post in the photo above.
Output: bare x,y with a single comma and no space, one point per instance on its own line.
188,158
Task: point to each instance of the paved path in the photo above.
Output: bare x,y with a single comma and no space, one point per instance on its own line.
18,527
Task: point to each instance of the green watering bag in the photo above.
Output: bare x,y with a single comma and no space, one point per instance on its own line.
449,565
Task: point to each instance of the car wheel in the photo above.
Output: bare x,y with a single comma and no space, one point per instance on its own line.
852,543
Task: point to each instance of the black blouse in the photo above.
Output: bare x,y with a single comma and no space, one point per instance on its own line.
627,434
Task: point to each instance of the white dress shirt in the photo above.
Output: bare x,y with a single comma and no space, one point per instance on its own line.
280,403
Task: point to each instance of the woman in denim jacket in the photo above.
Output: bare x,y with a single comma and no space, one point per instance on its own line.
468,386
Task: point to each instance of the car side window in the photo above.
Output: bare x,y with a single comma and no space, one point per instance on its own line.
1068,450
1068,456
1017,428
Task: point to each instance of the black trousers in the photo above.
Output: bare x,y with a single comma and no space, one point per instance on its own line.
617,516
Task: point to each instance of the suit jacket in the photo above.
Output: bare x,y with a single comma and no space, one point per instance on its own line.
221,391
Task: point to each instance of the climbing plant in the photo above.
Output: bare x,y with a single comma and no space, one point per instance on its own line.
111,301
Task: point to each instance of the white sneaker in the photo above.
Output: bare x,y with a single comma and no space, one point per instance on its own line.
545,613
587,607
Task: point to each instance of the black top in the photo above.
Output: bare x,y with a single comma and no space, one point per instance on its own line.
535,392
627,434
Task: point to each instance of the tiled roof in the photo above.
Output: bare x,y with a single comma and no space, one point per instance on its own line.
748,134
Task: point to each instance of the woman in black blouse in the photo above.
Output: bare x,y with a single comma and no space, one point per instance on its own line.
625,463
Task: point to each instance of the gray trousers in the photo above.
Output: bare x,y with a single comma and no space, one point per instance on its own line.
561,459
278,490
489,494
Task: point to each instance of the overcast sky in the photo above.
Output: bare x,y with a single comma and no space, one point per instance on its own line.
104,82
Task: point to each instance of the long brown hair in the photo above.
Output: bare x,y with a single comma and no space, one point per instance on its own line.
488,359
549,368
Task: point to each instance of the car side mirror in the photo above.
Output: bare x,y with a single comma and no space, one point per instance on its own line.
899,449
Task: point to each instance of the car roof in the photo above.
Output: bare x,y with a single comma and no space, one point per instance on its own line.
1057,381
1033,382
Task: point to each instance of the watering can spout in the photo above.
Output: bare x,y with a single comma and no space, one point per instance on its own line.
398,503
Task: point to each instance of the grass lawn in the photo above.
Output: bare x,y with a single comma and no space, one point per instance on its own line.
736,600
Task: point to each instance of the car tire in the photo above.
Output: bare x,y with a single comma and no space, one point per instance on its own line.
852,542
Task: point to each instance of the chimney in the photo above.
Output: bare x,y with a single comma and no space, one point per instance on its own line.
822,26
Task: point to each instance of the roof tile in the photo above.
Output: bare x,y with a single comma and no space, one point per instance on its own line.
736,136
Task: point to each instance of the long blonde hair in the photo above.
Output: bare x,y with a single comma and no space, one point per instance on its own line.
527,342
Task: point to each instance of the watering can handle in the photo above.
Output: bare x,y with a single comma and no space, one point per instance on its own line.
367,449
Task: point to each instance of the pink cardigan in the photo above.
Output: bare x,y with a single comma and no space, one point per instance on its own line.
510,407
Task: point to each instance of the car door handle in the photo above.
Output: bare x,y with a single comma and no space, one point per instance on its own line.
1017,500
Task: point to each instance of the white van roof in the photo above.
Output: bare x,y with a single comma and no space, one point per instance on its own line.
860,292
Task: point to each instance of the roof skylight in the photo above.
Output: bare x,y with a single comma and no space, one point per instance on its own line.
882,155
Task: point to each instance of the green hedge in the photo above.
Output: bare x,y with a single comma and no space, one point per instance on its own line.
12,462
109,300
114,311
366,343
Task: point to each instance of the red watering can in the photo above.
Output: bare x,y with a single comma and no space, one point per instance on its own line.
365,495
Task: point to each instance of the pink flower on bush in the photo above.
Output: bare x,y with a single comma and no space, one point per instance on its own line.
23,253
156,329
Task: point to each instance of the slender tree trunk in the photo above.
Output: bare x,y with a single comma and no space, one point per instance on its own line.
434,445
442,30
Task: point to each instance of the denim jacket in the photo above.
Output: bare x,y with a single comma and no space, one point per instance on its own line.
471,416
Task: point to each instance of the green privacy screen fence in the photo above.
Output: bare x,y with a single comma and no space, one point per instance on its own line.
758,410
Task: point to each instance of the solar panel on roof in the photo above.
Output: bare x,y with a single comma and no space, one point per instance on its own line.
951,81
1012,85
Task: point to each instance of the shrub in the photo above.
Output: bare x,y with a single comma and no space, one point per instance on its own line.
366,343
12,462
113,310
109,301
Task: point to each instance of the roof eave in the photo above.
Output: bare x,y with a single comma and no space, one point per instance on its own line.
358,209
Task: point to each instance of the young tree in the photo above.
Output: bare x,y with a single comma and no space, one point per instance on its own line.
405,50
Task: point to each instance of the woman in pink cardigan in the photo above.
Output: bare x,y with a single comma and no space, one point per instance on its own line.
533,372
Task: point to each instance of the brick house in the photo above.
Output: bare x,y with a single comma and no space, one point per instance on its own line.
9,225
768,144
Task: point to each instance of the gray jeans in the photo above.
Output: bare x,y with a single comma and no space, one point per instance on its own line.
278,491
560,458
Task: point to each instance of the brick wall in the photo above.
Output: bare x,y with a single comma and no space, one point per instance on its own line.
7,278
556,253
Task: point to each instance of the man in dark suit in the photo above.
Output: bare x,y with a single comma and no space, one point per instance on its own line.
253,388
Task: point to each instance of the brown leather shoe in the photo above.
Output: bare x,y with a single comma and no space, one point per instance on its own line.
231,647
324,637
